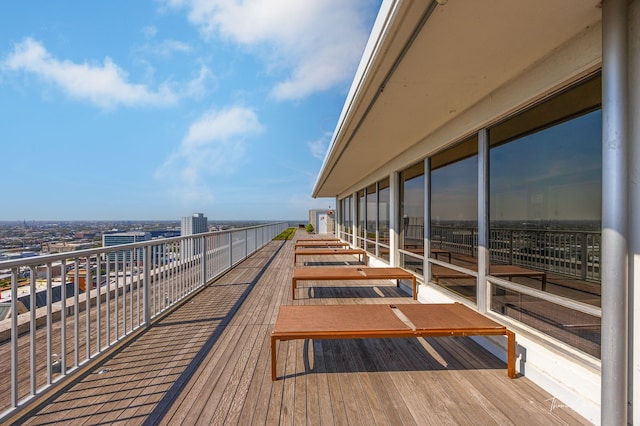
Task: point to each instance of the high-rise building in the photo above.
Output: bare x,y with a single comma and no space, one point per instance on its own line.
194,224
190,225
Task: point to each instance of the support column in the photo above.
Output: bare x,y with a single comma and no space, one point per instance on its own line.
354,218
427,220
394,210
483,219
337,218
634,210
614,255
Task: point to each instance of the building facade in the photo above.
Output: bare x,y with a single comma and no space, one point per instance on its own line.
191,225
322,221
194,224
492,148
118,238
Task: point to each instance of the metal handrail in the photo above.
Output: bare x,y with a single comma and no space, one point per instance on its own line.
98,297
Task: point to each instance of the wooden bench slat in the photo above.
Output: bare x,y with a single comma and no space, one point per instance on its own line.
328,252
358,273
380,321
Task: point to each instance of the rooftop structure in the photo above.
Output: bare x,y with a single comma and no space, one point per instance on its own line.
481,134
207,361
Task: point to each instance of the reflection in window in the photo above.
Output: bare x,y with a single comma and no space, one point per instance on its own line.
371,219
454,204
345,226
545,208
383,218
412,217
461,283
575,328
361,218
545,197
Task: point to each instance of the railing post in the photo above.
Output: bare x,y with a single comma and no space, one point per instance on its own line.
14,337
230,249
87,306
32,329
146,307
204,262
511,247
584,256
63,318
49,325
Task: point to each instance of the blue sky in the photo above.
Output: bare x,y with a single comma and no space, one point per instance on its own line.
156,109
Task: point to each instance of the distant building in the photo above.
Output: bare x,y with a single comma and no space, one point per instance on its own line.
194,224
164,233
64,247
322,221
17,255
118,238
190,225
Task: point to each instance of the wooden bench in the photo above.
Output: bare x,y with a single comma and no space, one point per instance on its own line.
363,273
309,244
382,321
435,252
317,239
508,271
362,254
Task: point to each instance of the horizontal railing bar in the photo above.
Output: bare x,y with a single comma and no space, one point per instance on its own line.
548,297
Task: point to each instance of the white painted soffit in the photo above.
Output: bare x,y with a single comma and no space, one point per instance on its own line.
425,63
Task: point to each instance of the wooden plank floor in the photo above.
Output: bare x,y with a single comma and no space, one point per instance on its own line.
208,363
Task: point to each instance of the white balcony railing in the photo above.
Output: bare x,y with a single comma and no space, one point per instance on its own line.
68,308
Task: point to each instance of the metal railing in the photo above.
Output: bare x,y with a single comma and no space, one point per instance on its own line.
68,308
568,252
571,253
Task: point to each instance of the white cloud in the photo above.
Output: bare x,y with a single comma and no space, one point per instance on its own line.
150,31
213,145
198,87
104,85
169,47
319,147
164,48
319,42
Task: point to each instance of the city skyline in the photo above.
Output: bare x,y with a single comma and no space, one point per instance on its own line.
183,108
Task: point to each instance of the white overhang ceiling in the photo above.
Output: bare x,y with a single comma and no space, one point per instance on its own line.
415,81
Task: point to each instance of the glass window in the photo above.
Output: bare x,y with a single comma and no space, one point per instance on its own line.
412,217
383,218
345,226
361,218
371,219
545,209
454,213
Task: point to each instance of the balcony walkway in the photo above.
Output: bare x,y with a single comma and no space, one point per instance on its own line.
208,362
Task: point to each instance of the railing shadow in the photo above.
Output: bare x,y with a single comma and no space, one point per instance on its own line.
172,394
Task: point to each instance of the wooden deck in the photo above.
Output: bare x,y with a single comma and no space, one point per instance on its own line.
208,362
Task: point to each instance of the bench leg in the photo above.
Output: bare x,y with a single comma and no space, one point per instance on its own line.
274,377
415,288
294,284
511,354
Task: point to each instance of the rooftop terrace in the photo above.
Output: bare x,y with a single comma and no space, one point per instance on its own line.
207,361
